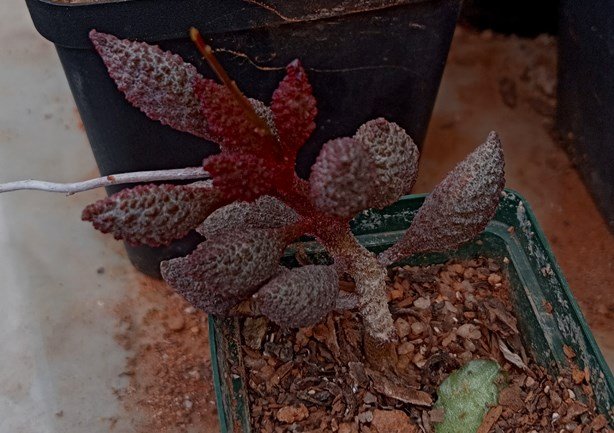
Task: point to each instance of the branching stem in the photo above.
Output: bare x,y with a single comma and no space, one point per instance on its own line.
116,179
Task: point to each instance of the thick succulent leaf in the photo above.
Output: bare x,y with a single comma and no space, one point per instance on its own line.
395,157
226,269
159,83
294,107
265,213
230,124
342,178
240,176
153,215
299,297
459,208
372,169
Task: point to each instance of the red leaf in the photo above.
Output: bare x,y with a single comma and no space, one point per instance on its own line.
265,213
294,107
240,176
299,297
230,124
228,268
395,157
459,208
342,178
159,83
153,215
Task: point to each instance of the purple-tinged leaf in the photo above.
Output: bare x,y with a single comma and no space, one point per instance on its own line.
299,297
157,82
265,213
226,269
459,208
230,124
240,176
395,157
294,107
372,169
153,215
342,178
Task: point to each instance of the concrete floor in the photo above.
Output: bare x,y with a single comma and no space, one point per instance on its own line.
59,362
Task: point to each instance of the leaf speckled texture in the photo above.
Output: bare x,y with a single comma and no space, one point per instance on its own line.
240,176
372,169
230,124
299,297
157,82
153,215
226,269
294,107
459,208
395,157
342,178
265,213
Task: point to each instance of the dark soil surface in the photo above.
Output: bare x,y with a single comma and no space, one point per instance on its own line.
319,379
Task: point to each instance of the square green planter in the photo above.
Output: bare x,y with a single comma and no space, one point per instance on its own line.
535,280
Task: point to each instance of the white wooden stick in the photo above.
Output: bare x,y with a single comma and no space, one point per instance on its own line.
115,179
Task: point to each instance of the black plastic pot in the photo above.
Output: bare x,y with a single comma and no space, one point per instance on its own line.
526,18
585,94
365,59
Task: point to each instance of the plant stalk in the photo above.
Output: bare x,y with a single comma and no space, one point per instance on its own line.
115,179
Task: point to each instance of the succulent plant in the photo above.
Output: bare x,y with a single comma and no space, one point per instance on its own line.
254,204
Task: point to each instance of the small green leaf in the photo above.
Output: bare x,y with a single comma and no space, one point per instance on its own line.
466,395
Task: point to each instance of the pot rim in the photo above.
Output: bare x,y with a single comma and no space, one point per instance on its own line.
68,24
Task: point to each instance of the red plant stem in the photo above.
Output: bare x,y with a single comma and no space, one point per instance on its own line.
261,126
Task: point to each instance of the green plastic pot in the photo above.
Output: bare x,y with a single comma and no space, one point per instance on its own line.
535,281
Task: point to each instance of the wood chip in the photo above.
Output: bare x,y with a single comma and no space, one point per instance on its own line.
511,397
392,421
578,375
511,356
254,330
281,372
387,387
599,423
569,352
490,419
574,410
290,414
